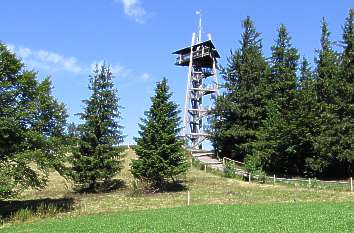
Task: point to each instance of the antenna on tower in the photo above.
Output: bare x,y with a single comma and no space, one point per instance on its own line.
199,12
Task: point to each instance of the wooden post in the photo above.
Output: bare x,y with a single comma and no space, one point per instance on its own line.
84,204
351,184
249,177
188,198
223,161
274,179
205,167
309,182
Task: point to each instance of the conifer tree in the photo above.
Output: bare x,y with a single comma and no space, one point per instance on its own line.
239,112
97,157
346,110
305,78
327,69
161,157
283,67
278,137
305,127
327,85
32,125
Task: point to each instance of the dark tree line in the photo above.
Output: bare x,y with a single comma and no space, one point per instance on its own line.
282,116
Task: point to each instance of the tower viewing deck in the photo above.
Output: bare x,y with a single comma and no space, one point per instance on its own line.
203,55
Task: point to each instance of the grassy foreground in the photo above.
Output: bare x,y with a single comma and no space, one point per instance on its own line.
291,217
204,187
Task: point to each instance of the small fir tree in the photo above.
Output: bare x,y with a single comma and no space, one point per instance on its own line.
97,156
161,157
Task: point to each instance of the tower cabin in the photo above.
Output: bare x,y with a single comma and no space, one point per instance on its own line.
203,55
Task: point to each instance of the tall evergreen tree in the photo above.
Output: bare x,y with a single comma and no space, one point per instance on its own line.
284,63
31,127
97,157
346,109
239,112
327,69
305,126
347,59
327,87
278,137
160,152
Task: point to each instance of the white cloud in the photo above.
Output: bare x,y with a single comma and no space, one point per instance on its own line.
54,62
134,10
117,70
43,59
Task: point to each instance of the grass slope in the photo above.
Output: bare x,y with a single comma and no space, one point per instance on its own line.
205,188
291,217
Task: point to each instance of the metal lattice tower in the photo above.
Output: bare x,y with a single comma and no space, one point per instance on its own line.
201,59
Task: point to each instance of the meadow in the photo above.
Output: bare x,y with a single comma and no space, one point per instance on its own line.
218,204
276,217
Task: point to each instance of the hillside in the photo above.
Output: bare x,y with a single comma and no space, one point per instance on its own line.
205,188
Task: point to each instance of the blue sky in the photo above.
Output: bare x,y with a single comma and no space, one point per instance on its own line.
64,38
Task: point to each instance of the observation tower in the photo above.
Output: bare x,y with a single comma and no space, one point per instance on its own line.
201,58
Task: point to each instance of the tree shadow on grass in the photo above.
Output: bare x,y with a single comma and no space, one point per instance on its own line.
143,187
47,205
103,187
174,187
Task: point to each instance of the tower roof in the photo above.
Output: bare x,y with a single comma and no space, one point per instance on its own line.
207,43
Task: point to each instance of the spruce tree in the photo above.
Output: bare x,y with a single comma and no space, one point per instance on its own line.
327,88
346,109
161,157
284,61
306,76
97,158
32,125
278,136
239,112
305,125
327,69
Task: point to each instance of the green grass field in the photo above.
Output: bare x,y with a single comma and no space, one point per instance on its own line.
294,217
235,204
